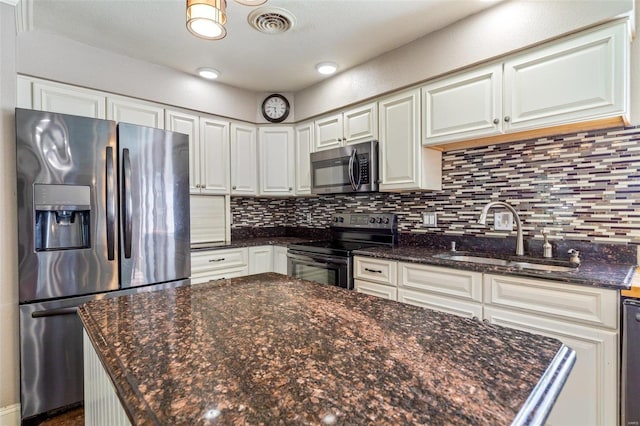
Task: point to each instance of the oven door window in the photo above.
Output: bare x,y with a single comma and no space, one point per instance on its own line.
320,270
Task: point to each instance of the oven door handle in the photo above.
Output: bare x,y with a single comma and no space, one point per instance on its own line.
312,258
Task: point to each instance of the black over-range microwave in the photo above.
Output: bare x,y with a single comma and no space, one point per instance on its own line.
352,168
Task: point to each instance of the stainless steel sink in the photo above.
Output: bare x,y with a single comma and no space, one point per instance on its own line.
548,266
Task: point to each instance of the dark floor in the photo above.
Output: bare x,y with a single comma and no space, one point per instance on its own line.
74,417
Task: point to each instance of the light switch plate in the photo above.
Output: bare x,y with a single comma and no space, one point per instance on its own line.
503,221
430,219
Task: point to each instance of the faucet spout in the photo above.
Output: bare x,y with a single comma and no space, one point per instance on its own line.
519,237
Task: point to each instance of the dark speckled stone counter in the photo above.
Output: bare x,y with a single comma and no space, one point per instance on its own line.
250,242
593,273
269,349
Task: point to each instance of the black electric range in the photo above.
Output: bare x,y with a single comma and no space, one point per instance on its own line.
331,261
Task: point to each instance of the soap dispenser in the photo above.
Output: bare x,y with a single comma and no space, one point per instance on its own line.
546,247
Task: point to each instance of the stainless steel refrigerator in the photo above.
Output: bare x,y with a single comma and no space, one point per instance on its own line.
103,210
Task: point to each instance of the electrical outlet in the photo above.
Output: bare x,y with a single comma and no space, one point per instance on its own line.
430,219
503,221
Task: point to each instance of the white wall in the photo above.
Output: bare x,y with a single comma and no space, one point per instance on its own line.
9,365
61,59
504,28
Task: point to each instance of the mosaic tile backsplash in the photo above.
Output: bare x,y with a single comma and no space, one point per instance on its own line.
580,187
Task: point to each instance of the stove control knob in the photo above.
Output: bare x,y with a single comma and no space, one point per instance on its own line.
379,220
386,220
372,220
335,219
341,219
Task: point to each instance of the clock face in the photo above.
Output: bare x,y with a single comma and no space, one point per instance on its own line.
275,108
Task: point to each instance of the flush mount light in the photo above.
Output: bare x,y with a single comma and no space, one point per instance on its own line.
208,73
326,68
206,18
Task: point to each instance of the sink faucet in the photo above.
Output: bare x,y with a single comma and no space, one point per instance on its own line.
519,238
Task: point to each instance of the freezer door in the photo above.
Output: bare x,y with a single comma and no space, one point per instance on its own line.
154,205
66,217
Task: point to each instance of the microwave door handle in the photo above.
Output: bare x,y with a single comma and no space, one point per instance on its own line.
352,179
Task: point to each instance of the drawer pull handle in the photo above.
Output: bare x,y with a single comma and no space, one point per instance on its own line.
216,260
375,271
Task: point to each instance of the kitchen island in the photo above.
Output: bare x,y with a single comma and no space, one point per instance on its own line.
267,349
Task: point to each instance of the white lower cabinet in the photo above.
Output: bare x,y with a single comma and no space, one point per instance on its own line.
584,319
280,259
207,265
260,259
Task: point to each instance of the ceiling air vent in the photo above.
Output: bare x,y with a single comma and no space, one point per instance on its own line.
271,20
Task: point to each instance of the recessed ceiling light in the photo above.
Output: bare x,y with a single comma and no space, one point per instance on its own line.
326,68
208,73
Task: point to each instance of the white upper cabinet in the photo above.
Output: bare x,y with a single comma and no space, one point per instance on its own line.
214,156
578,79
303,148
244,159
189,124
64,99
354,125
134,111
404,163
463,106
277,166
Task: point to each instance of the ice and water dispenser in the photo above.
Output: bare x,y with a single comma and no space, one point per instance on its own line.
62,217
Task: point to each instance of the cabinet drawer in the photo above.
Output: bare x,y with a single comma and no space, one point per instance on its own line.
584,304
449,305
220,275
375,270
443,281
378,290
213,260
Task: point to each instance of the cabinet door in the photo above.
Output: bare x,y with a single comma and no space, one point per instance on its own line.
378,290
328,132
277,168
400,155
590,395
465,106
260,259
214,156
579,79
135,112
303,147
68,100
189,124
244,160
280,260
360,124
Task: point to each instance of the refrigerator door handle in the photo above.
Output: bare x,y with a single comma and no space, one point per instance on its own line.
54,312
127,201
111,205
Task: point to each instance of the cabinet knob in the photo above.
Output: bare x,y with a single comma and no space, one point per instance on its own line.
290,188
233,187
496,121
507,118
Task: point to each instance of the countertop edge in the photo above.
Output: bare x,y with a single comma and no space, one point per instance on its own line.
135,415
538,406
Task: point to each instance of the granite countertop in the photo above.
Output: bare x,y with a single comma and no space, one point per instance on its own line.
593,273
267,349
250,242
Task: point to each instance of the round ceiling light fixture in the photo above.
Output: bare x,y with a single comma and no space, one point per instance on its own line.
206,18
327,68
271,20
208,73
251,2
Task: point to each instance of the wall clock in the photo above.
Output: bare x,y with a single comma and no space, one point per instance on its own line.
275,108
